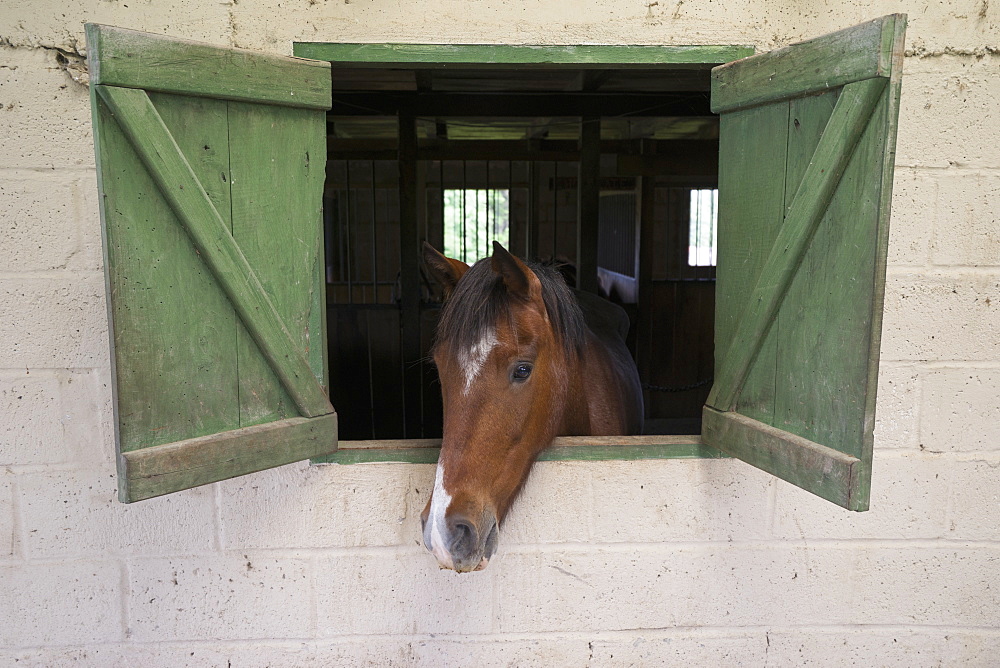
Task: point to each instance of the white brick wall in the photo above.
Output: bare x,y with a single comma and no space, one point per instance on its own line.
684,562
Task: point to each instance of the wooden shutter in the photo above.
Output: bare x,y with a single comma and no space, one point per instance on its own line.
211,165
805,175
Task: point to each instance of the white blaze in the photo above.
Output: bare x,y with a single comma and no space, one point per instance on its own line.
440,500
473,359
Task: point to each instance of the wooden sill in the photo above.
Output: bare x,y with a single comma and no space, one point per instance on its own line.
563,448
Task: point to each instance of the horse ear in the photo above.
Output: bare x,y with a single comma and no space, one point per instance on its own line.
516,275
445,270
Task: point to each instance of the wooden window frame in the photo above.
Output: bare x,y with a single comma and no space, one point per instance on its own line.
416,56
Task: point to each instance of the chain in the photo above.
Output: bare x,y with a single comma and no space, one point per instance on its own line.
680,388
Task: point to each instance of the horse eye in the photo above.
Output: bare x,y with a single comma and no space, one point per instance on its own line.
522,371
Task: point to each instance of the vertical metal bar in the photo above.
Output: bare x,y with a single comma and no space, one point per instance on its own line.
588,198
555,208
510,207
375,299
465,187
441,200
475,223
534,210
409,274
371,370
644,316
350,241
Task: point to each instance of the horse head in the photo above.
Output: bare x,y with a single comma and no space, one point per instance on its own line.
507,339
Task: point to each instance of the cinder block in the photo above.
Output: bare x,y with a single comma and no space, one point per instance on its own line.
897,411
7,524
54,323
960,410
406,651
51,417
60,603
210,597
947,107
198,654
907,502
679,500
554,506
914,209
87,656
38,218
630,587
945,586
690,647
390,592
321,506
967,226
77,514
46,114
975,499
206,654
952,316
913,647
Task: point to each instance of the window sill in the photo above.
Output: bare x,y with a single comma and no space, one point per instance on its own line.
563,448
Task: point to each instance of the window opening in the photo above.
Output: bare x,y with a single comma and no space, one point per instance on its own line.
704,220
472,220
497,157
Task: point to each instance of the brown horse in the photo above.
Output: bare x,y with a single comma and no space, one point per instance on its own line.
521,360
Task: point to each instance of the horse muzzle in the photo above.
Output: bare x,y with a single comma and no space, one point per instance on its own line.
460,543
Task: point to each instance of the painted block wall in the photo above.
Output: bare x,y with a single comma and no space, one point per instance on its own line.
694,562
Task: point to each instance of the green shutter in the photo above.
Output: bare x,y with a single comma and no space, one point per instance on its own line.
806,159
211,165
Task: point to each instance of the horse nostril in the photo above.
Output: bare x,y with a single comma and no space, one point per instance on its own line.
464,539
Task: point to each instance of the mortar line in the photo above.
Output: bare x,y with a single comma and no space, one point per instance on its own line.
700,631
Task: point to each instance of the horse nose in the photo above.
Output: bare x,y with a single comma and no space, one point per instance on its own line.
470,544
463,538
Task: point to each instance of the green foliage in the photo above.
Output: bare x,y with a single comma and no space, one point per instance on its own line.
472,219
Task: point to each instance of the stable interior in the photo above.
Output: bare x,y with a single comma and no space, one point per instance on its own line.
610,172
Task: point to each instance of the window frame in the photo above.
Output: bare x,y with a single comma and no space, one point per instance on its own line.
416,56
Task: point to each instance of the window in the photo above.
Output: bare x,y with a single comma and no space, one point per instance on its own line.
704,230
473,219
221,181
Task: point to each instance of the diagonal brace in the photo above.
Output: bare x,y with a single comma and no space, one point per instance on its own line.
847,123
155,145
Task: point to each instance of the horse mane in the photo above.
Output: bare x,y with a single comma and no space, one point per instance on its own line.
480,299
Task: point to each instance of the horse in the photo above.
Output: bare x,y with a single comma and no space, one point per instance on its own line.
522,359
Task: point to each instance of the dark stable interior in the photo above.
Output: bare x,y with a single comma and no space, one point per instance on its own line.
609,172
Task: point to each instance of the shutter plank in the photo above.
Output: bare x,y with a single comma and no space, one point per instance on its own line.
861,52
850,117
277,187
198,461
153,142
822,470
751,204
132,59
168,317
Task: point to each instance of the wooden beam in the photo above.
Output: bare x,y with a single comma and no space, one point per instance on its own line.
824,471
854,54
409,275
522,104
166,468
588,204
133,59
597,56
563,448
